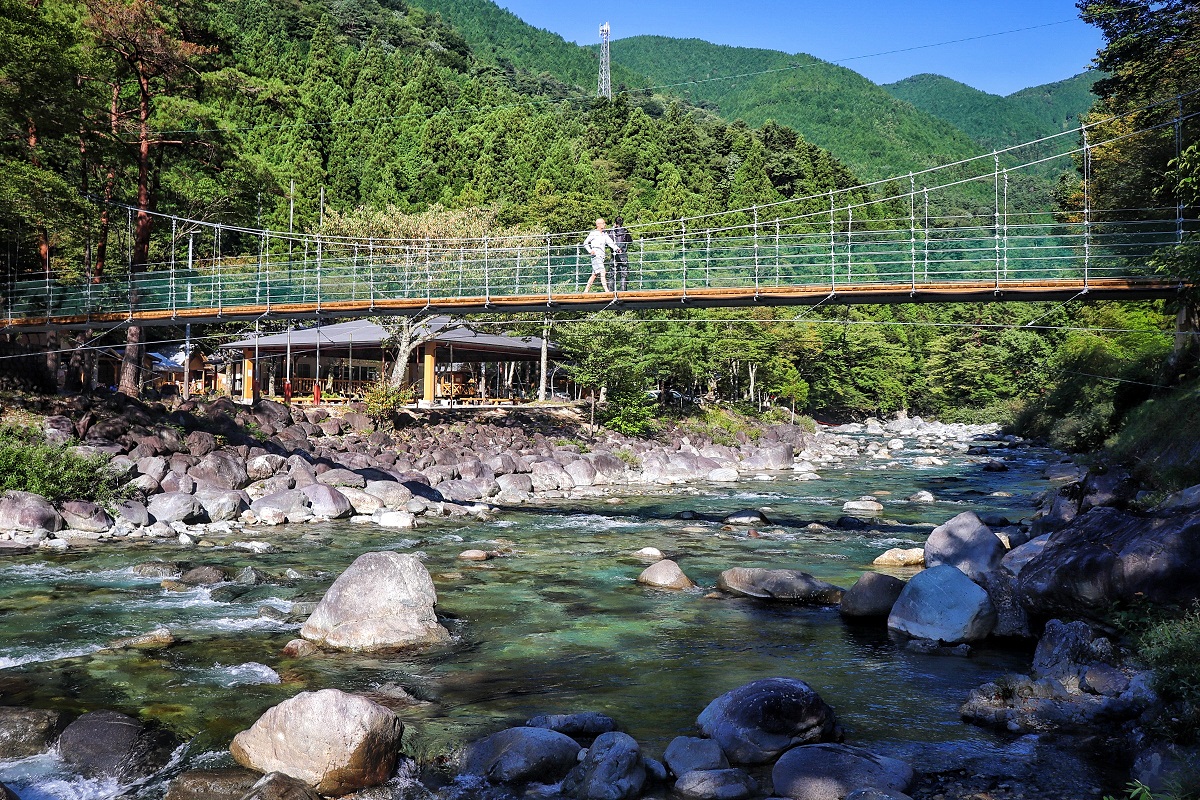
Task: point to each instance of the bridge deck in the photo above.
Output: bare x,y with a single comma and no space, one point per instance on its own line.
1135,288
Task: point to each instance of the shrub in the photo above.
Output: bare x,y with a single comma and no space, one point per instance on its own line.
383,399
1171,647
29,463
629,411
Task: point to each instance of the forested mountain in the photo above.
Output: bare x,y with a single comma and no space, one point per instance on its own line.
833,107
497,36
995,121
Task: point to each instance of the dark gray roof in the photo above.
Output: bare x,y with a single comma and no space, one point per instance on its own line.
366,333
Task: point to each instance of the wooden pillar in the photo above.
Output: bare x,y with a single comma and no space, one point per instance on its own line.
249,377
430,363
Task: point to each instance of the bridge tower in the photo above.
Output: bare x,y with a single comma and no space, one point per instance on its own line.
604,86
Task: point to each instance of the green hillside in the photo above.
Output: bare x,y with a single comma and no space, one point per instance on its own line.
498,36
833,107
996,121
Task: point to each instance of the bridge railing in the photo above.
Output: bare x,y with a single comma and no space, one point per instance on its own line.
1023,249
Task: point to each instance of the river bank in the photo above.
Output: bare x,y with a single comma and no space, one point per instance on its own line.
555,622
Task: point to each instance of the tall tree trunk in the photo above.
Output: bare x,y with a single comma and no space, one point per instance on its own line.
131,361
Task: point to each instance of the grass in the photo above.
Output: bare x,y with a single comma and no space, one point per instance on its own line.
29,463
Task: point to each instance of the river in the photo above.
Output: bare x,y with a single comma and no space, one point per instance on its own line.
558,625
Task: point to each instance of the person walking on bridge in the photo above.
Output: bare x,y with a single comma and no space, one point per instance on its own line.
595,243
624,239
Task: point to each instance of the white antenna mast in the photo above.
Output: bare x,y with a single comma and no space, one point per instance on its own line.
604,88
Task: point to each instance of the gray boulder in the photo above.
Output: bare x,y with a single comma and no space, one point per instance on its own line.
612,769
220,468
965,543
832,771
716,784
342,477
585,725
942,604
277,786
756,722
259,468
877,794
747,516
200,443
393,493
1107,556
1184,500
112,745
81,515
1064,651
333,741
176,507
1016,559
212,784
665,574
1001,588
27,732
285,502
514,483
25,511
872,595
221,504
384,600
325,501
133,512
688,753
789,585
521,755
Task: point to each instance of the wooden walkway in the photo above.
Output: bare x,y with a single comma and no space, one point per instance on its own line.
1137,288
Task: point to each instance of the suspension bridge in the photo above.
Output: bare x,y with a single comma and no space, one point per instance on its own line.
902,240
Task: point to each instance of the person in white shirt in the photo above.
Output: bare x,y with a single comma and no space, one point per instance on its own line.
595,243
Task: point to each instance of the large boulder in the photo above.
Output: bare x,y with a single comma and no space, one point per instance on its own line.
26,511
756,722
832,771
665,574
943,604
382,601
393,493
82,515
521,755
212,784
585,725
688,753
277,786
112,745
221,504
27,731
612,769
716,784
220,468
790,585
333,741
176,507
966,543
872,595
326,501
1107,556
285,502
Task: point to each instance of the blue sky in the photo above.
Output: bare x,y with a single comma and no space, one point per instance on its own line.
836,31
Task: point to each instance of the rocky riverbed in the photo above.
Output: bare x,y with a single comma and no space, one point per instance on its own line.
407,592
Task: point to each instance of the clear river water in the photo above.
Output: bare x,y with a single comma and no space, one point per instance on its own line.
560,625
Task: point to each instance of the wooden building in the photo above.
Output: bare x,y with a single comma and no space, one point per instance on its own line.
454,363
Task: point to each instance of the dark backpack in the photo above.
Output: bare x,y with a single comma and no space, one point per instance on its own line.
622,237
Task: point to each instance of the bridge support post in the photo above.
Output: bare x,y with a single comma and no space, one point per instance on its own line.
429,377
249,377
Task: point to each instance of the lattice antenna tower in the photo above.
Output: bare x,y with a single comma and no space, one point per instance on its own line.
604,88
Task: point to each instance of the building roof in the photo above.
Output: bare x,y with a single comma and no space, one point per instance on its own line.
366,333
